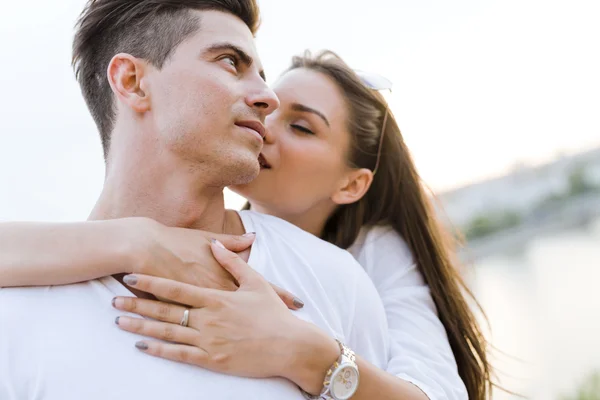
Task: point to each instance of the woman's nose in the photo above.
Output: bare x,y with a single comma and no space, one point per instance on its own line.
270,130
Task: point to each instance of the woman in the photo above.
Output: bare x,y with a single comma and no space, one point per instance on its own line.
335,164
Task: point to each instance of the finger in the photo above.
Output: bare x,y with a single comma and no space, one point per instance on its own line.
158,330
237,267
291,301
150,308
235,243
178,292
175,352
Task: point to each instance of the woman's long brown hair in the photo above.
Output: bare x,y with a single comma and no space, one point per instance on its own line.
397,198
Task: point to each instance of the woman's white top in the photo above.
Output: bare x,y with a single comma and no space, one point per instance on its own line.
419,349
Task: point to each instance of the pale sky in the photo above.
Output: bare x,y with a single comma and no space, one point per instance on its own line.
478,87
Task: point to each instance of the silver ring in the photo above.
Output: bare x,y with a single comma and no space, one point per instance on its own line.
186,317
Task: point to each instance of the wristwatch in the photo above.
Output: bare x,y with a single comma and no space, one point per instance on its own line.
341,380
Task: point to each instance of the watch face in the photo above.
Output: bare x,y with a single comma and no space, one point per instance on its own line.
344,382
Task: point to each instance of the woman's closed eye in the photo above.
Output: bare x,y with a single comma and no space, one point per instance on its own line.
302,129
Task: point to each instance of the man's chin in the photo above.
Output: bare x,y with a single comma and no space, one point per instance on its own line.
244,173
250,189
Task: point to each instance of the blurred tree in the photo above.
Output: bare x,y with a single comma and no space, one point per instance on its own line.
480,226
588,390
578,182
486,224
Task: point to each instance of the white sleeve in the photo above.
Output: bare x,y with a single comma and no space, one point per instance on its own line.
419,349
367,330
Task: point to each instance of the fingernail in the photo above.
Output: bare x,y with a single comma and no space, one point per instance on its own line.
219,244
141,346
249,234
298,303
114,300
117,320
130,279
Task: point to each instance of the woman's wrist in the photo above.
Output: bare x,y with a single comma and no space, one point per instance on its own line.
311,352
133,240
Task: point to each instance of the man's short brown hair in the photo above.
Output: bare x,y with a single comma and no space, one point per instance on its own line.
147,29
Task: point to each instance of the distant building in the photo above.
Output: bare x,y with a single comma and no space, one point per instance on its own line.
520,191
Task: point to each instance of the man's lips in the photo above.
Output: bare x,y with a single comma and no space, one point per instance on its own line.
254,125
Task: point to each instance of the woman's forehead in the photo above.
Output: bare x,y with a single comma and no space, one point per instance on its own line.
312,89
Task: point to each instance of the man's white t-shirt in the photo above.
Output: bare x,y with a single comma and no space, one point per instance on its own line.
60,342
419,349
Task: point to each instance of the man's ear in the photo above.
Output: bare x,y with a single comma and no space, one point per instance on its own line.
354,186
126,76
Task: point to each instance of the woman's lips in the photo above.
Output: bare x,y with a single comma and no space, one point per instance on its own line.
262,161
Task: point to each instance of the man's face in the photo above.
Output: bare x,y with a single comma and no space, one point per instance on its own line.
209,100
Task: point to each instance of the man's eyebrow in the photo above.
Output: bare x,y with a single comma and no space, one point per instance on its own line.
246,59
302,108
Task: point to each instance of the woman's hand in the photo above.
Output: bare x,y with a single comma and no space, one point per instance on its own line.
184,255
248,332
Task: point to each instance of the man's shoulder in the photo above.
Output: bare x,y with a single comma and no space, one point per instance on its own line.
63,339
14,299
15,303
288,252
34,305
92,287
289,236
27,314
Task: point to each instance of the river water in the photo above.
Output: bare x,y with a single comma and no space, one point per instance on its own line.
543,305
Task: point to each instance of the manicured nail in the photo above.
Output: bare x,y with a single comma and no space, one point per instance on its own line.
114,300
219,244
298,303
117,320
249,234
130,280
141,346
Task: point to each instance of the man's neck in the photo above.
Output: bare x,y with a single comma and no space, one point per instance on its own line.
167,189
171,203
145,178
171,195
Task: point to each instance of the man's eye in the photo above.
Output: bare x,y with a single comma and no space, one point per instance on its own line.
230,60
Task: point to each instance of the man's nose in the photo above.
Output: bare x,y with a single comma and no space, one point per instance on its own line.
263,99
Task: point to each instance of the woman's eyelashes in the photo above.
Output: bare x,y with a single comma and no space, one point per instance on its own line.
302,129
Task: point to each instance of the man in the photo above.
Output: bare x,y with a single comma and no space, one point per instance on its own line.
177,91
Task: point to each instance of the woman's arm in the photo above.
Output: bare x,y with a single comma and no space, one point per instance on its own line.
39,254
420,352
313,353
36,254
